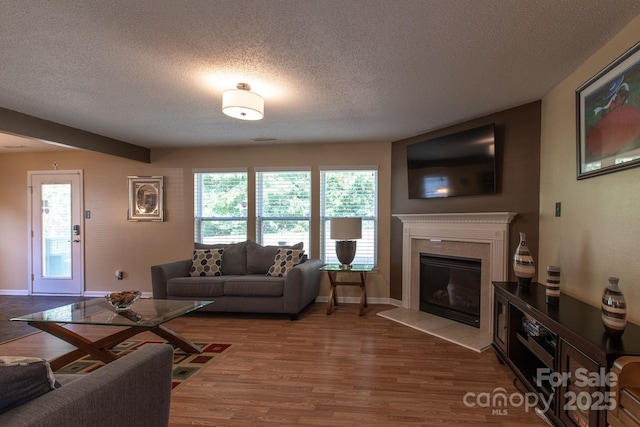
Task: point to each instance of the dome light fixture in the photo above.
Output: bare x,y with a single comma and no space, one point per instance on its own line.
241,103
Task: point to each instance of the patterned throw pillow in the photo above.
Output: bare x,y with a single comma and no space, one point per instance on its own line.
284,261
206,262
23,379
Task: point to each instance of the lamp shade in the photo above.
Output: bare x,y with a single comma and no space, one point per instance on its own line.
242,104
346,228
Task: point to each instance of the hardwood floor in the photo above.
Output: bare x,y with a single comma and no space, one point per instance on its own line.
337,370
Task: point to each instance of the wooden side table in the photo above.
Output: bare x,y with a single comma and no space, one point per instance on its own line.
333,270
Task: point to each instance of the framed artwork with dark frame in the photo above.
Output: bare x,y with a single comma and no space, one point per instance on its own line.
608,118
146,198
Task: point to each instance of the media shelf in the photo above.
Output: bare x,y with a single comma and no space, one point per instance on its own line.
537,347
532,337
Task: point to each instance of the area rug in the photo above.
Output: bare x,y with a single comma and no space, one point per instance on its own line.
185,365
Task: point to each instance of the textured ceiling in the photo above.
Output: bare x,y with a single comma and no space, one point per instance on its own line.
151,72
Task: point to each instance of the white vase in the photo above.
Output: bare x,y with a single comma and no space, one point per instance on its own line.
523,265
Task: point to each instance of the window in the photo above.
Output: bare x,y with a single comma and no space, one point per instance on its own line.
350,193
283,207
220,207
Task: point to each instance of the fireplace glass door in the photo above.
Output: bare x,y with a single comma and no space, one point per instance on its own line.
450,287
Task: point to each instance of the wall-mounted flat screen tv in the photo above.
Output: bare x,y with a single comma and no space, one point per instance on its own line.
459,164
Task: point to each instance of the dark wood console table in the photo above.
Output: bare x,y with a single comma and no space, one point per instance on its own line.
567,339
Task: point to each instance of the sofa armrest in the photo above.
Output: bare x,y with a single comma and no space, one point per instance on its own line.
302,285
161,273
627,370
134,390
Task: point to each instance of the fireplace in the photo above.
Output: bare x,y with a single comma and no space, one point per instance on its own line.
481,235
450,287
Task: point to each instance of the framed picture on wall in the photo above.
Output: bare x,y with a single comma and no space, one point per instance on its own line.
608,118
146,198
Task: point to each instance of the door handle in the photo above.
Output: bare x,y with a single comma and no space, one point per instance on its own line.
76,240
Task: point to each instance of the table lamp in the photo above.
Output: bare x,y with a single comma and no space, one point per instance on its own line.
344,231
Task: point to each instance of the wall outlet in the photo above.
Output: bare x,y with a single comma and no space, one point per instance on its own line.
119,274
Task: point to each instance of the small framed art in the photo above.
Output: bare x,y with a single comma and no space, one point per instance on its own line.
146,198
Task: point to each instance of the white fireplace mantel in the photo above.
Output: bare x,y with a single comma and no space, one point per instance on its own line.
489,228
481,227
457,218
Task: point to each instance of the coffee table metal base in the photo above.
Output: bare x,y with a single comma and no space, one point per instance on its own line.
100,349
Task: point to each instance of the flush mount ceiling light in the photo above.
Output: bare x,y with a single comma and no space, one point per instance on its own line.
241,103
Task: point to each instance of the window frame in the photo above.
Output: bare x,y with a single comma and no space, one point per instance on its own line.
324,219
259,191
198,218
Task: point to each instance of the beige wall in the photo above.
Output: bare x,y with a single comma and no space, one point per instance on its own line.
113,243
597,234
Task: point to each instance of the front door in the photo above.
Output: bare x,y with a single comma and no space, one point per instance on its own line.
57,255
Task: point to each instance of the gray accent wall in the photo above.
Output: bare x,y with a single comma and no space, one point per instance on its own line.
518,182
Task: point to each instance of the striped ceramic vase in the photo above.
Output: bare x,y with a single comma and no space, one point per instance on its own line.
523,265
614,309
552,291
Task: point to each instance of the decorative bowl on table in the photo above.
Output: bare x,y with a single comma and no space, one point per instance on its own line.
123,301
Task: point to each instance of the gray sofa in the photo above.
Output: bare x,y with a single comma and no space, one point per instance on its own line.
244,286
134,390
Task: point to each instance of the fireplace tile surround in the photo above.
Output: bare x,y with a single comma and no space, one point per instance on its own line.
483,236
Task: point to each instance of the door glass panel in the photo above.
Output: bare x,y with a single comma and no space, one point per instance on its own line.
56,231
501,323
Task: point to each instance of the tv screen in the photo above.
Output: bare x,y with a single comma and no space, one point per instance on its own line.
460,164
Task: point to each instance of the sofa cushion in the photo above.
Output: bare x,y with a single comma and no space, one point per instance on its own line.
23,379
284,261
260,258
196,287
206,262
235,256
254,286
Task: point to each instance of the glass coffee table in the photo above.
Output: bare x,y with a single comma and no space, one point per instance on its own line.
145,315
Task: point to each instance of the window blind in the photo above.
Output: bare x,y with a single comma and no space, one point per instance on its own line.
283,207
350,193
220,207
